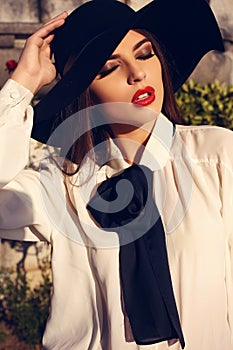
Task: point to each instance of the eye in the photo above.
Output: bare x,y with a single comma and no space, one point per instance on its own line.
145,52
106,71
146,56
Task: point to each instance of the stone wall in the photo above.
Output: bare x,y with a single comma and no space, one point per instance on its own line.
18,19
219,65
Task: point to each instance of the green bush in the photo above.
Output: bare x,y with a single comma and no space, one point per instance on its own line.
22,308
210,103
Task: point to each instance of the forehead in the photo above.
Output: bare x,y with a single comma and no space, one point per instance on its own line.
129,41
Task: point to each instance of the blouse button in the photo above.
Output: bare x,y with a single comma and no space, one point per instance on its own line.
14,94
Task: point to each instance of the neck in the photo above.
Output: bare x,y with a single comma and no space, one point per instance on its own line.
131,141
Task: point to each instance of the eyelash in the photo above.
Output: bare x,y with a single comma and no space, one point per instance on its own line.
146,57
110,70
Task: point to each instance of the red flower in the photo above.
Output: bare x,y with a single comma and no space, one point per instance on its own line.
11,65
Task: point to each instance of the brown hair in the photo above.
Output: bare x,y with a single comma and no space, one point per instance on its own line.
93,136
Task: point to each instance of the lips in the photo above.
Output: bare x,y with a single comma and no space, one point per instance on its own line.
144,97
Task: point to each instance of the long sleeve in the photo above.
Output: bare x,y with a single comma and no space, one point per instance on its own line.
22,214
226,191
16,117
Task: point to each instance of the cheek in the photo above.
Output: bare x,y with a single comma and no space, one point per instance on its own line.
99,91
159,88
158,81
159,98
109,90
157,74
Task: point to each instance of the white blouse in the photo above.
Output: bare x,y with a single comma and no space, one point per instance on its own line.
193,189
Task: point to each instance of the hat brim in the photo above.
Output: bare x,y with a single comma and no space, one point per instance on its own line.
185,30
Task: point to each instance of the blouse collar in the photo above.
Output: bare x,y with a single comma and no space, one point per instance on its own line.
155,154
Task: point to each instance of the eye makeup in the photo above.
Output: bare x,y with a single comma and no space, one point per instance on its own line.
141,51
146,51
107,69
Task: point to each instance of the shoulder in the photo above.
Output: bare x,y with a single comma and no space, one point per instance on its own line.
207,142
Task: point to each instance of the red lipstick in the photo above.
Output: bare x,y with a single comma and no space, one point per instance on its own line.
144,97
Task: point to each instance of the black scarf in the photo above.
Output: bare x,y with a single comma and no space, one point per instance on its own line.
145,276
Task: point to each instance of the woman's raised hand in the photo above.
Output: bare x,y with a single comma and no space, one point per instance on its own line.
35,67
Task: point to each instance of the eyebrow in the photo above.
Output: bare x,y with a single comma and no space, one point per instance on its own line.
136,46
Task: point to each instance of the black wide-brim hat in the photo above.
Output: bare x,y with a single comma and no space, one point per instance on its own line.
185,29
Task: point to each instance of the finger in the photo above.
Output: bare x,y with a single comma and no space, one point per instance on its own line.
44,31
53,22
61,15
46,51
49,38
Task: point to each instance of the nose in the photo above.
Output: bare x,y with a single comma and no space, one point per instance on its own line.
135,73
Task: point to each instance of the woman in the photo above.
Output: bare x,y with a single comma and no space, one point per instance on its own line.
182,290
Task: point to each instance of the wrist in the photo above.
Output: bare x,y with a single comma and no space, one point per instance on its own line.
26,80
